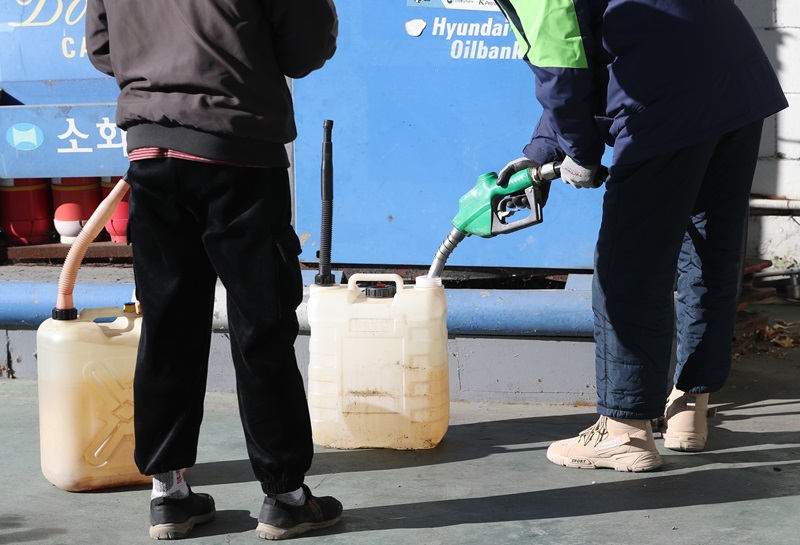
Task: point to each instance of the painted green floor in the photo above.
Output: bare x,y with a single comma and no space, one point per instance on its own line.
488,482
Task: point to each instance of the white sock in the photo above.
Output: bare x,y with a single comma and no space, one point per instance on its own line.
170,484
298,497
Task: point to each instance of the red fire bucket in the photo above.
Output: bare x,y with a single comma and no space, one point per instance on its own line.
74,201
26,210
117,225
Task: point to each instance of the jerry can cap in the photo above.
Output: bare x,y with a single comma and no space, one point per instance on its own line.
65,314
380,291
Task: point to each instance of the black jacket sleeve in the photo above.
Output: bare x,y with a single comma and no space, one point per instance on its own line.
305,34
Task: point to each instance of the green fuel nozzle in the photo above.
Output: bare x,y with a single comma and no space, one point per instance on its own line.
488,208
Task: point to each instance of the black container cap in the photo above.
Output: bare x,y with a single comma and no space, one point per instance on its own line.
380,291
65,314
324,279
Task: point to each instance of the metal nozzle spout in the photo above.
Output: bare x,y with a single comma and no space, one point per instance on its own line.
453,238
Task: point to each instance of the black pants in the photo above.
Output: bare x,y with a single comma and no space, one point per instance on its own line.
191,223
684,211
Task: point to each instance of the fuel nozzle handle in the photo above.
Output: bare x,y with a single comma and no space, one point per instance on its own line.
600,177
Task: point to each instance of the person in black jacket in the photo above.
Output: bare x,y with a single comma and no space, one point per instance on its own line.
207,112
679,90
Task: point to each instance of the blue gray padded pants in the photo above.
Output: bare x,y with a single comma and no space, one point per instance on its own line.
687,212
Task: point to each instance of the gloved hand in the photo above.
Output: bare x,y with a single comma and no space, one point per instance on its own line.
576,175
512,168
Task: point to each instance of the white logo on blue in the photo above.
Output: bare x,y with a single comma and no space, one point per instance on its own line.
25,136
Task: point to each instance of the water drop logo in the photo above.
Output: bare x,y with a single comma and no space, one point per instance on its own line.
25,136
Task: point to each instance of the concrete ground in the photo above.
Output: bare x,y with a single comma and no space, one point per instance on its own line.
487,482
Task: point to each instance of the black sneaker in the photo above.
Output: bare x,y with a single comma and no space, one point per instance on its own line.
173,518
280,520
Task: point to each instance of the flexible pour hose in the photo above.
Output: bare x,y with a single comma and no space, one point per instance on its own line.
69,272
325,277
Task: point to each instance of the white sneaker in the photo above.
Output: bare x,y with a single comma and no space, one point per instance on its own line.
622,445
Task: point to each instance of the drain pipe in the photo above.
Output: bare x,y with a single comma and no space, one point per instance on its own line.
25,305
523,313
470,312
792,205
511,313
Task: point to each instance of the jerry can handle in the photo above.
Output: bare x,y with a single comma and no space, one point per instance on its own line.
375,277
91,314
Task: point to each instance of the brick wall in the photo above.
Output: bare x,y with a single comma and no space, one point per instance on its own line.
773,236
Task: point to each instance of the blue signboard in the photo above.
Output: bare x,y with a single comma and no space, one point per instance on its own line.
425,96
61,141
43,40
56,109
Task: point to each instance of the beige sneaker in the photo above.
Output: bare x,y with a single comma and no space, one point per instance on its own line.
685,422
622,445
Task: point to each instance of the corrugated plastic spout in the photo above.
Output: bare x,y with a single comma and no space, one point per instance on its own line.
65,306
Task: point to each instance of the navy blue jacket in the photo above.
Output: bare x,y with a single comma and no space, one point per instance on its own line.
647,77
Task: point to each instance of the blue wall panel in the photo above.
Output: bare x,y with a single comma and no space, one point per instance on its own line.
420,110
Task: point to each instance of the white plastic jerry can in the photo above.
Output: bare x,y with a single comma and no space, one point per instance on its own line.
378,373
86,399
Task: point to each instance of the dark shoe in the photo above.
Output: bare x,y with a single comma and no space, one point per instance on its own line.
280,520
173,518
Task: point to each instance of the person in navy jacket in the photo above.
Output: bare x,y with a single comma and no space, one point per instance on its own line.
680,91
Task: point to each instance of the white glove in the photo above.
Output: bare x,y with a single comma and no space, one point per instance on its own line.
576,175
